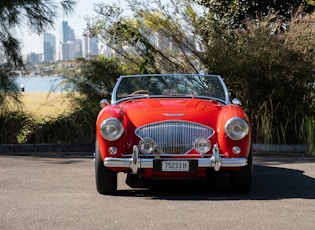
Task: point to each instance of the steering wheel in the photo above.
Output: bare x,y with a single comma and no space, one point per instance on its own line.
141,91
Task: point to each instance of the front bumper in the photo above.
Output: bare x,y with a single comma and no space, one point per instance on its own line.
135,163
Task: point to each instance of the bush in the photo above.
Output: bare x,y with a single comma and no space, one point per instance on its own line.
75,127
272,72
15,126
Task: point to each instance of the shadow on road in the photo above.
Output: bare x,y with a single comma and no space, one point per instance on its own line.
269,183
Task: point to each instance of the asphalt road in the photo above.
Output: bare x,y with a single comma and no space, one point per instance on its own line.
59,193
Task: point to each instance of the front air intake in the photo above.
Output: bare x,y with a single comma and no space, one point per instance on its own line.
174,137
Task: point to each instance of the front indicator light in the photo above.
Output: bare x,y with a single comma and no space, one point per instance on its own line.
146,145
236,128
112,150
202,145
236,150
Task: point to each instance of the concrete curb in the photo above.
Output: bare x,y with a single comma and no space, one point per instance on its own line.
81,149
46,148
279,148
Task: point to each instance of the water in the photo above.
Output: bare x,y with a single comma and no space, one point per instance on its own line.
40,84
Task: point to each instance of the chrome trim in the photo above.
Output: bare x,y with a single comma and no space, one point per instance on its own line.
135,163
175,136
226,100
173,114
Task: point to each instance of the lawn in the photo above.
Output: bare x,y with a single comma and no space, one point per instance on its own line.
45,104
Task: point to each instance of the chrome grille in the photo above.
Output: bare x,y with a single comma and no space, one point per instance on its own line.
174,137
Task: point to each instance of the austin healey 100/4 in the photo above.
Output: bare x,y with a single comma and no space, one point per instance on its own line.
172,126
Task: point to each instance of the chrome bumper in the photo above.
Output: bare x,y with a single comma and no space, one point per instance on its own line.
135,163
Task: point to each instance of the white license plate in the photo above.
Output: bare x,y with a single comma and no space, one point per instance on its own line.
175,166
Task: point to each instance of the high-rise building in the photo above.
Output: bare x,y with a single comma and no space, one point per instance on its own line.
67,42
89,46
66,33
78,48
67,51
107,51
49,47
34,58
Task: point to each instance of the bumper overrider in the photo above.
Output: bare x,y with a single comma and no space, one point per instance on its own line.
135,163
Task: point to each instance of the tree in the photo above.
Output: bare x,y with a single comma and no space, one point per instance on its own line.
222,17
37,16
157,38
236,11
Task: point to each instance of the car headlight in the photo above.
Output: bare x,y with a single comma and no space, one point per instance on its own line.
111,129
236,128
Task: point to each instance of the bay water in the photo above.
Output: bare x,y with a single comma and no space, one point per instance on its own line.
39,84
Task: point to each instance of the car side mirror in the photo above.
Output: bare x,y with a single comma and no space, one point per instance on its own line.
236,101
103,103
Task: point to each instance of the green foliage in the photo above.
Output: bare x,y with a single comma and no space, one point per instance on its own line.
9,92
74,127
13,125
234,12
310,134
272,72
92,79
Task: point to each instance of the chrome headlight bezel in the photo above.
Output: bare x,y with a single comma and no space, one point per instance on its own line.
202,145
146,145
236,128
111,129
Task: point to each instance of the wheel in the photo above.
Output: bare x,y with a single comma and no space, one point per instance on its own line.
241,181
106,179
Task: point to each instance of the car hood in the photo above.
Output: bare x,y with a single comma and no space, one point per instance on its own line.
144,111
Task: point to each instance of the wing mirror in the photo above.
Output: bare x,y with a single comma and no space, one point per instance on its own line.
236,101
103,103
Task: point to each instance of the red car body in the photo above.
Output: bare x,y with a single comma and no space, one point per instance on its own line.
173,136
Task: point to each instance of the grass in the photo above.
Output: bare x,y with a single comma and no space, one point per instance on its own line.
45,104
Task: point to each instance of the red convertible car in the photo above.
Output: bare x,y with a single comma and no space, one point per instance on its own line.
172,126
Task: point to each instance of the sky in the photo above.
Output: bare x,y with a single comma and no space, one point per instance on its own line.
34,43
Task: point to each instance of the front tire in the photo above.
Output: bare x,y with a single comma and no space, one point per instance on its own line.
241,181
106,179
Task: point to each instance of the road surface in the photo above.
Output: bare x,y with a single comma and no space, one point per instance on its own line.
59,192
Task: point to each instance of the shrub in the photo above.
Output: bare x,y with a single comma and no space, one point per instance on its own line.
272,71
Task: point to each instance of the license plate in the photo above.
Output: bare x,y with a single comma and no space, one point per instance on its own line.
175,166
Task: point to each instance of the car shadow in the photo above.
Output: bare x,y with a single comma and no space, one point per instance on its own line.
269,183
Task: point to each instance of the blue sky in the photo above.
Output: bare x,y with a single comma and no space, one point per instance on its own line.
34,43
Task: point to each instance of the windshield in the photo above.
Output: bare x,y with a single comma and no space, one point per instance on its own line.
170,85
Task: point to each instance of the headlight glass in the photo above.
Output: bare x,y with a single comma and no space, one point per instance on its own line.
111,129
202,145
236,128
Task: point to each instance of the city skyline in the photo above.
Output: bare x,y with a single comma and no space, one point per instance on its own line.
32,43
67,48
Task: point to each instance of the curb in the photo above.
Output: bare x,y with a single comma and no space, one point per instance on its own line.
56,149
281,148
88,149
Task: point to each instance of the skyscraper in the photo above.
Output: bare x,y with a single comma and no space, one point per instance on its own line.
67,40
89,46
49,47
66,33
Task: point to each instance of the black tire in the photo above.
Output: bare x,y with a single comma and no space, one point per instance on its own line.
241,181
106,179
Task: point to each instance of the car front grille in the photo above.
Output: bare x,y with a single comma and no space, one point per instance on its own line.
174,137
